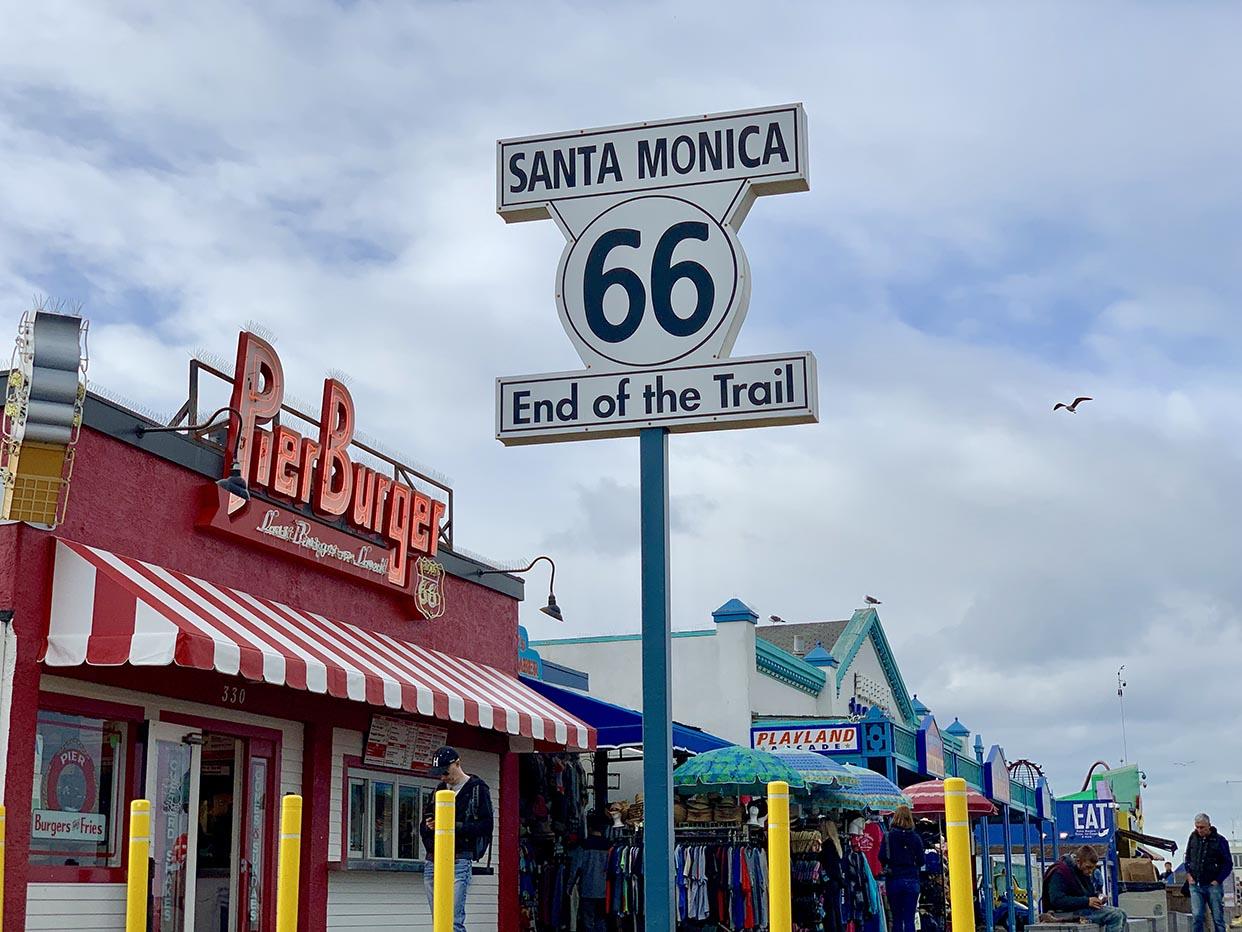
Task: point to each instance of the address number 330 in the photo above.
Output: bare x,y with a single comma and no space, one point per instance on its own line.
650,281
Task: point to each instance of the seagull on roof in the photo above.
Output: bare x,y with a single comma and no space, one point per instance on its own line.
1072,407
776,619
872,600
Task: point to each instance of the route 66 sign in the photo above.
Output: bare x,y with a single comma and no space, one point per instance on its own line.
653,283
429,588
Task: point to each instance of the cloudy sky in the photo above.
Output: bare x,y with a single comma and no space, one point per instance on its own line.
1010,205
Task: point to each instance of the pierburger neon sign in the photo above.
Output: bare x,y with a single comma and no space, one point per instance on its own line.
317,473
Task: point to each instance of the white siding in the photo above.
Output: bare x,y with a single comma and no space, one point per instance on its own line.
389,900
75,907
867,665
86,907
344,741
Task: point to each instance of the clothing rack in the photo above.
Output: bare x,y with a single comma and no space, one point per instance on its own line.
715,831
721,884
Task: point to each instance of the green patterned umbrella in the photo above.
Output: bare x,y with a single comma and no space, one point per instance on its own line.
734,771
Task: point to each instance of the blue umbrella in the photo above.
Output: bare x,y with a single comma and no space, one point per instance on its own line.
873,791
817,770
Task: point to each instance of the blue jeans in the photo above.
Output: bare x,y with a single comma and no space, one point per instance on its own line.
462,873
1208,895
1109,918
903,897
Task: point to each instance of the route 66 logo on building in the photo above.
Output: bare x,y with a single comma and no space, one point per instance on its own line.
429,588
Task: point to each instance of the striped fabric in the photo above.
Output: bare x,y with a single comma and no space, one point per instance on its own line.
109,610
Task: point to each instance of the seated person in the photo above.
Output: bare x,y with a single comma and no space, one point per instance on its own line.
1069,887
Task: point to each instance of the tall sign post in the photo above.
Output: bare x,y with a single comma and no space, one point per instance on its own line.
652,289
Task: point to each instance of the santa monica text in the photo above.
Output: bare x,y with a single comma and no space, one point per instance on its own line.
762,144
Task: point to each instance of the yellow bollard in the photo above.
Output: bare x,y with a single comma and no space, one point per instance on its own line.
957,828
444,861
779,895
290,861
136,875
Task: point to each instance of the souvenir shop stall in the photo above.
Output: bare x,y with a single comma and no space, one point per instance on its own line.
927,804
580,854
835,841
838,846
721,858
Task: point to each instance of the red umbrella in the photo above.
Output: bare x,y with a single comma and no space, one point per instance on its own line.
928,799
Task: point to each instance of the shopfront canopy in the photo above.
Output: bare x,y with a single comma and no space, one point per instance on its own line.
927,799
109,610
618,727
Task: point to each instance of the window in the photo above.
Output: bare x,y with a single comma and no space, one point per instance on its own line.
799,644
77,804
384,811
1237,860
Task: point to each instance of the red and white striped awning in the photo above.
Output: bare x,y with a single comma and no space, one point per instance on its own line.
109,610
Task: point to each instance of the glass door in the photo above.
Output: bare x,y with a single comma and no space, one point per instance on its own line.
220,813
255,867
173,761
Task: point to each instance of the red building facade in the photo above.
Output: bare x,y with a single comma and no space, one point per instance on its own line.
154,656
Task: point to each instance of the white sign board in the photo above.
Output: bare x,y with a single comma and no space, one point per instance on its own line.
69,826
832,738
400,743
747,392
766,147
653,284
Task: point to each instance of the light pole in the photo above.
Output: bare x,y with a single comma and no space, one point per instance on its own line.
1121,697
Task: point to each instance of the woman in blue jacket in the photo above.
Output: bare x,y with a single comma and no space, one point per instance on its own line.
905,860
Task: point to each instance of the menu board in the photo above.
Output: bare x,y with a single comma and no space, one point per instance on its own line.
400,743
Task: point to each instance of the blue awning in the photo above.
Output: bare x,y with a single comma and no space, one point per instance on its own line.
618,727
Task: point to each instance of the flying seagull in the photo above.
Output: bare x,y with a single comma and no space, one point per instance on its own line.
1072,407
872,600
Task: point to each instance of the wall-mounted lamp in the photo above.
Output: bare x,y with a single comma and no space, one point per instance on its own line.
552,610
234,483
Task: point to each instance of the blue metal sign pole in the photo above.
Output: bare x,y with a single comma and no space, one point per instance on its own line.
1012,919
988,903
1030,879
658,905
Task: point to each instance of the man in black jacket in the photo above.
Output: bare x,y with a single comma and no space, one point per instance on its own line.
1070,888
1208,865
474,820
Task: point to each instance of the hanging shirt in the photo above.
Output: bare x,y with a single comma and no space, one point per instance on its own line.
871,843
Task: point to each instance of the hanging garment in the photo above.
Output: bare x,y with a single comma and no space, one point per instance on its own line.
872,844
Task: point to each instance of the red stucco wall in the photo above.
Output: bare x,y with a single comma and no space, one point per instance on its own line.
134,503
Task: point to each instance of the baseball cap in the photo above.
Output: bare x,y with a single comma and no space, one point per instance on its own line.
441,759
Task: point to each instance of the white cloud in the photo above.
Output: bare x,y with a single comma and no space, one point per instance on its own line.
1009,206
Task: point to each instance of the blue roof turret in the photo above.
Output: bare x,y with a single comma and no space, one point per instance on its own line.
819,657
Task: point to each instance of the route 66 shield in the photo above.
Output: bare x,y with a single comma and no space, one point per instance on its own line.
429,588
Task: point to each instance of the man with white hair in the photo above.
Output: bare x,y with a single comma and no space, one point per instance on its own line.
1208,865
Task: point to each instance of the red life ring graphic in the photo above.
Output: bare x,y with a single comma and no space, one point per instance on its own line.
82,793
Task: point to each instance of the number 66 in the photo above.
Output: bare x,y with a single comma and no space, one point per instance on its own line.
664,275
